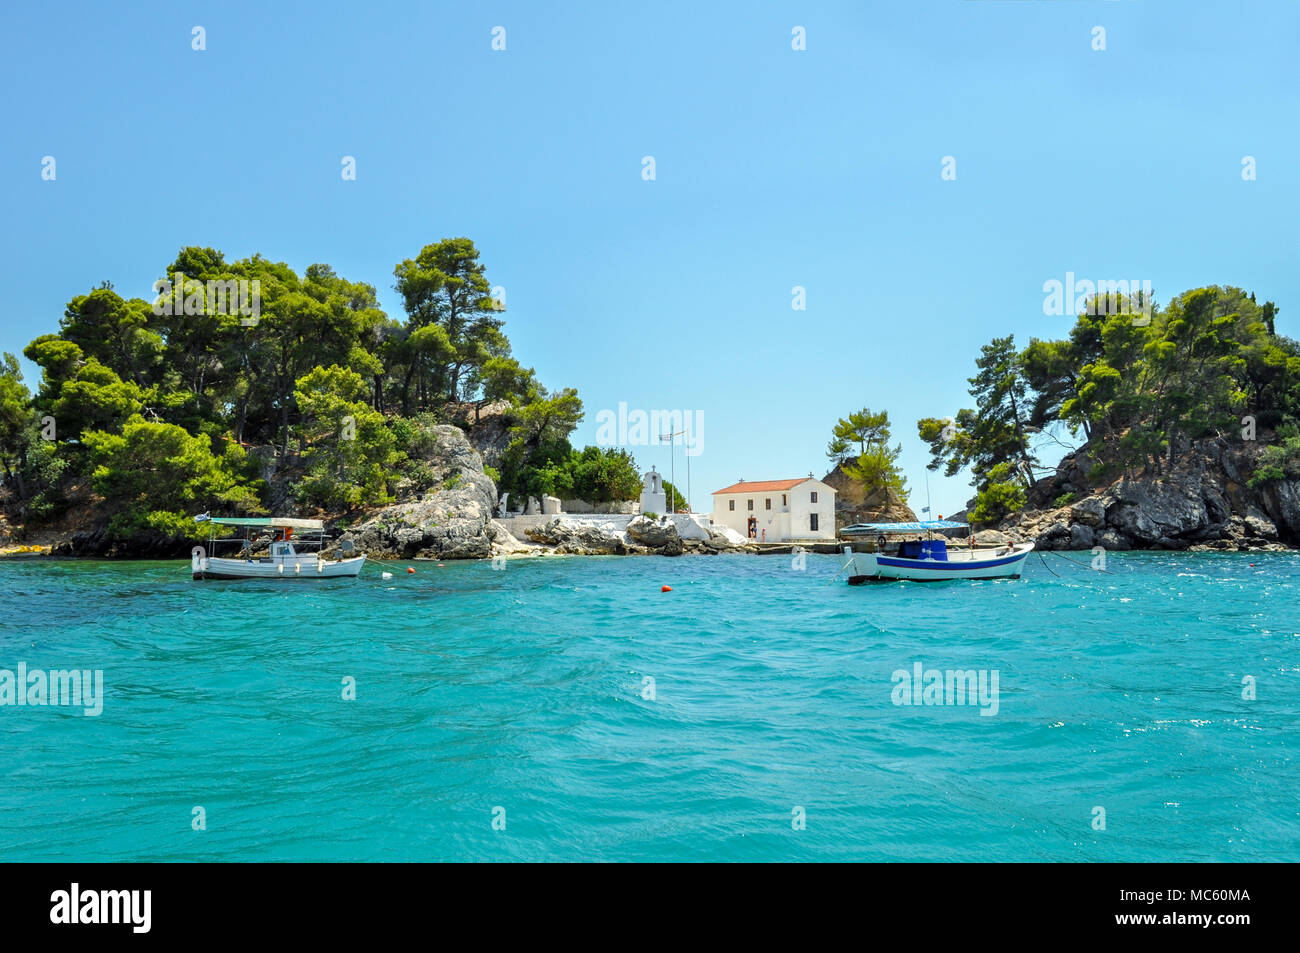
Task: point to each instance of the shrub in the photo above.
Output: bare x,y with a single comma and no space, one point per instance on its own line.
414,436
1000,497
1276,462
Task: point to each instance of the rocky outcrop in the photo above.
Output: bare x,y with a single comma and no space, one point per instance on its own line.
97,543
489,431
452,520
854,505
660,534
643,535
583,538
1203,503
1281,501
674,535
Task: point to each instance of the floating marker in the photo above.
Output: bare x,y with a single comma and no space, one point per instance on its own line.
388,575
410,569
666,589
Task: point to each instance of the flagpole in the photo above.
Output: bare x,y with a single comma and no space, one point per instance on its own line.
927,496
672,467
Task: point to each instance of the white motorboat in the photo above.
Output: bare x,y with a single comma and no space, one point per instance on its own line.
267,549
928,560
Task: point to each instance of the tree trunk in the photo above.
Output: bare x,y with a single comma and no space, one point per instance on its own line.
406,390
1024,444
284,430
284,415
242,419
16,477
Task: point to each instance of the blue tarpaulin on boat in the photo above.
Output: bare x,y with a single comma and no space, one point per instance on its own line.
922,526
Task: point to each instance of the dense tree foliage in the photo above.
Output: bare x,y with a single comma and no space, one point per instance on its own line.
593,474
242,382
1136,384
16,423
452,330
350,448
158,475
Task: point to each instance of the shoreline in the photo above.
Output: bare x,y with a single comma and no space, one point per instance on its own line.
542,552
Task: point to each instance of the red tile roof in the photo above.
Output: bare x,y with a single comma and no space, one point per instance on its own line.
761,486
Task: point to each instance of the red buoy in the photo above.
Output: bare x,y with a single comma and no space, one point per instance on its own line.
666,589
410,569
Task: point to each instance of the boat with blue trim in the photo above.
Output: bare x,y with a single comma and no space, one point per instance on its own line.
929,559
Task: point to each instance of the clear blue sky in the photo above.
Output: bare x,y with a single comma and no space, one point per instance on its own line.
775,168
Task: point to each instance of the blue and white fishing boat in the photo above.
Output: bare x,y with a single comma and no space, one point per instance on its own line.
930,559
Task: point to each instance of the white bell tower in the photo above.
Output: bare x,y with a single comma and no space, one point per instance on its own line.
653,497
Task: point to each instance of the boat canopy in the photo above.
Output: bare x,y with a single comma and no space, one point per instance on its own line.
274,522
921,526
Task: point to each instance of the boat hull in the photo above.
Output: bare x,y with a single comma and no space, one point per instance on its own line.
1003,564
291,567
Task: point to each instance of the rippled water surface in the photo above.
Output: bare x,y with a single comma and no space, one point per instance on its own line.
519,695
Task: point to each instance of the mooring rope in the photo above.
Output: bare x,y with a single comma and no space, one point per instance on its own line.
1071,561
1043,560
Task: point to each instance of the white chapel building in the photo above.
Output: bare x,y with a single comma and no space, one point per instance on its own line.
782,510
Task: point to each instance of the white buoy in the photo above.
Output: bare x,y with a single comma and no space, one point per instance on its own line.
280,569
388,575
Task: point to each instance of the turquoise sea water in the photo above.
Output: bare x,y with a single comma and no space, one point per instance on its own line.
522,690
